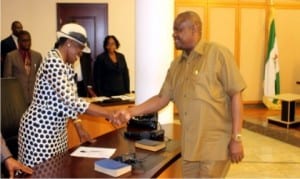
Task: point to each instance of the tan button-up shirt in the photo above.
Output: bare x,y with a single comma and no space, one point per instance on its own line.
200,84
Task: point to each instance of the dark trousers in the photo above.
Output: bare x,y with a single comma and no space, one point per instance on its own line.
81,89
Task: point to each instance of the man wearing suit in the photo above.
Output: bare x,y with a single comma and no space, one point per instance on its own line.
23,64
10,43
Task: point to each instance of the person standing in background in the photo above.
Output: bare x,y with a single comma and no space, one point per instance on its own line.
205,85
23,64
83,70
111,76
10,43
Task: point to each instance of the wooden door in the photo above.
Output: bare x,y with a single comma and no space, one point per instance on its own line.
93,17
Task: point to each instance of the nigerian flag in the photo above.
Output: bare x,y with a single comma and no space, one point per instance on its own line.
271,76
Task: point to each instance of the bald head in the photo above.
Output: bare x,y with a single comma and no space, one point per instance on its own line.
187,31
16,27
191,17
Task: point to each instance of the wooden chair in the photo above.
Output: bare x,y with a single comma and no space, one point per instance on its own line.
13,106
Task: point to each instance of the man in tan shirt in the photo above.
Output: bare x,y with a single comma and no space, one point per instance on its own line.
205,85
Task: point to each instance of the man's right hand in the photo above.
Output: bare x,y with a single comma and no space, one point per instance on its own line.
120,117
13,166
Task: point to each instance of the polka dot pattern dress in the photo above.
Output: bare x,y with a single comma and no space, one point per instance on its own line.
43,127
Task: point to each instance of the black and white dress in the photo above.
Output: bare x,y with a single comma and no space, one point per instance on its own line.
43,127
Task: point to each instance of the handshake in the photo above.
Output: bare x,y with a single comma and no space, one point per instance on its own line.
120,117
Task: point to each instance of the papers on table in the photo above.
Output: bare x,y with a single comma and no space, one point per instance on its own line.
93,152
129,97
96,99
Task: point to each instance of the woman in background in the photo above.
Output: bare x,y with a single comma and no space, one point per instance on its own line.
111,75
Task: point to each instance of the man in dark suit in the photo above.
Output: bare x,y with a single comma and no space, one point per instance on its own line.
10,43
23,64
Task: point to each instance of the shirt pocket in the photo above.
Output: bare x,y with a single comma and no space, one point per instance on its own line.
205,86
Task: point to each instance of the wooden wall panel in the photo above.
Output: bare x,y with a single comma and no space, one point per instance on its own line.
287,29
241,26
252,50
222,26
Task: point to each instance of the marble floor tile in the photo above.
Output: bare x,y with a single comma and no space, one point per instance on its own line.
266,157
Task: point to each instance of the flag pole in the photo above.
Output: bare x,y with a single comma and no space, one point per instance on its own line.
271,73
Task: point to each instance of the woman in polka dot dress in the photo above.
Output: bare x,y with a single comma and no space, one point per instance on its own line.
43,127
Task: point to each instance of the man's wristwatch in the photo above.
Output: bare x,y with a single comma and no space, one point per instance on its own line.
237,137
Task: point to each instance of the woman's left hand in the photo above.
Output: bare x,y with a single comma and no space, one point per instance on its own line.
84,136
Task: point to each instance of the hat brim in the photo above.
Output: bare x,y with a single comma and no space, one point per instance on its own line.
86,49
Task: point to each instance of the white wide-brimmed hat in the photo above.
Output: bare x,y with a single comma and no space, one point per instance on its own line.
74,32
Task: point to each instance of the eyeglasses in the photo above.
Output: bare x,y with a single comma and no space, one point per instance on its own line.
77,45
25,40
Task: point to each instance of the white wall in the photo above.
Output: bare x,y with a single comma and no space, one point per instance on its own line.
39,18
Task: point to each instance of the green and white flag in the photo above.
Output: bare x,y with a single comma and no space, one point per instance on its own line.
271,76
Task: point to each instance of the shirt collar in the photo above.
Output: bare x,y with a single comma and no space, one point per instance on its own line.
15,38
198,50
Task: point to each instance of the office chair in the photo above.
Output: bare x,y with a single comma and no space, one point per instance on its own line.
13,106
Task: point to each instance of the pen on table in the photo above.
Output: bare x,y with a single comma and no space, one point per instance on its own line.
84,151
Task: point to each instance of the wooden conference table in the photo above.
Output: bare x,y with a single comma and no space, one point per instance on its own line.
96,126
149,165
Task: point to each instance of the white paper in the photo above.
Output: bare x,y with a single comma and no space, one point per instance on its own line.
93,152
129,97
96,99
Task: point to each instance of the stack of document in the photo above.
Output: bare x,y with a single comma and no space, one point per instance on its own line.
129,97
97,99
125,97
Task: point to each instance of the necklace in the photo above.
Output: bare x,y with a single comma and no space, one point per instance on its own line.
58,53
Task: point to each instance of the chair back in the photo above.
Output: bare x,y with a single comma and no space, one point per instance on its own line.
13,106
